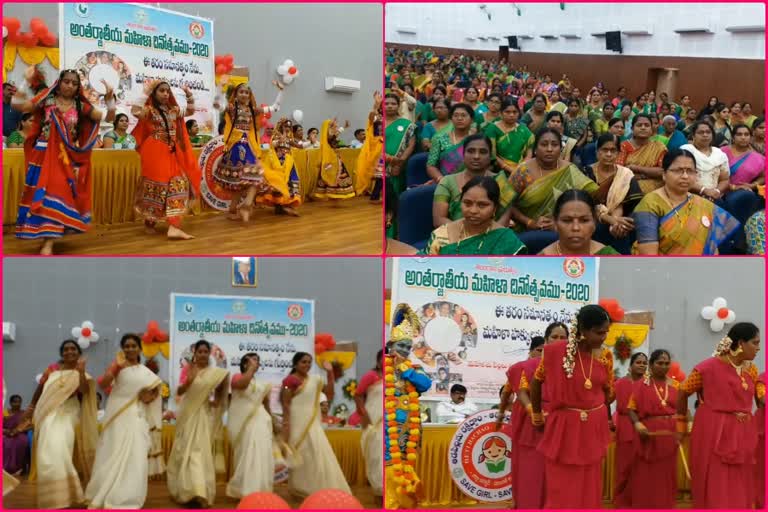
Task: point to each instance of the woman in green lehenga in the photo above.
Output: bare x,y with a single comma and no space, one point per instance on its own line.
446,156
477,232
446,206
400,141
537,184
512,141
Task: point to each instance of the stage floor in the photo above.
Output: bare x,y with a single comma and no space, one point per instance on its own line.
23,497
347,227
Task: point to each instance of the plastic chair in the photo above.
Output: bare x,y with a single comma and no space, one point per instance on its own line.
415,216
416,170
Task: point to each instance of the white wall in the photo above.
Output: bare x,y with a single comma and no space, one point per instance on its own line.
448,25
323,39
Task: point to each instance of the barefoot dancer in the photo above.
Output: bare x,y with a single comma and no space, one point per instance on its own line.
57,189
240,169
168,166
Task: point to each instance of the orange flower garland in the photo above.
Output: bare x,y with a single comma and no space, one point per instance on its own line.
405,475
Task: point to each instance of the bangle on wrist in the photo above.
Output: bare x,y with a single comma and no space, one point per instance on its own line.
701,192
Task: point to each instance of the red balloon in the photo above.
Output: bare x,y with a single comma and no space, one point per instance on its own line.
85,332
292,70
268,115
38,27
331,499
12,24
153,325
30,40
722,313
263,501
618,314
220,69
229,59
49,39
326,340
217,60
319,349
14,37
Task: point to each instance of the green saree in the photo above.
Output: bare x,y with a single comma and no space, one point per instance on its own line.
398,135
445,240
448,191
510,147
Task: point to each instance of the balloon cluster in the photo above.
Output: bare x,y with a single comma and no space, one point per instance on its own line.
224,64
85,335
675,372
718,314
153,334
613,308
323,342
288,71
267,113
38,33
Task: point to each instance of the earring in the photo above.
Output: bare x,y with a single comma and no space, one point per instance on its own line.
736,352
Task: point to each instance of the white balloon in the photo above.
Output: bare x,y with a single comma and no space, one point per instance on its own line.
87,325
298,116
708,312
296,74
288,63
5,32
83,342
287,79
719,303
282,69
94,337
39,376
76,332
716,324
731,317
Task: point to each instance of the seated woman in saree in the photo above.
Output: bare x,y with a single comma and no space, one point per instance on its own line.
476,232
64,415
589,151
758,135
250,426
512,141
400,140
617,196
643,156
536,118
724,435
671,220
446,156
537,184
747,173
119,138
134,409
442,124
556,120
191,469
15,439
477,162
9,482
369,404
316,465
575,223
491,115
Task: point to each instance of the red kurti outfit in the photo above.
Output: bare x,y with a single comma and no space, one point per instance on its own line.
576,437
625,442
528,483
653,475
724,437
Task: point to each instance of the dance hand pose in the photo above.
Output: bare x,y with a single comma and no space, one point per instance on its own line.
370,162
334,182
240,169
168,165
57,190
280,172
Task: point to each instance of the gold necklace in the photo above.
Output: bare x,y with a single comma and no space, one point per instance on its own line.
666,393
739,369
463,235
587,380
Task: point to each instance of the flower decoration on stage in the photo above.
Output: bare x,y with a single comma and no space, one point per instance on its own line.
324,341
38,34
288,71
718,314
155,341
623,348
224,64
85,335
165,390
408,406
614,309
298,116
350,388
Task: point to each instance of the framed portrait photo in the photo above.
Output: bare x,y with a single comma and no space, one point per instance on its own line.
243,272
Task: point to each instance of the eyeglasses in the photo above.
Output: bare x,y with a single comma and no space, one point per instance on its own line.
608,150
681,171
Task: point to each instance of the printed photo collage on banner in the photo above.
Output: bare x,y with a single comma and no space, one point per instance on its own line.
383,256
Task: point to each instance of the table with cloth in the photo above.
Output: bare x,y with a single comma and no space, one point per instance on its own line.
439,489
116,173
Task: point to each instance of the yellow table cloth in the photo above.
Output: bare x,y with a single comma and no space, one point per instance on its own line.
439,489
116,173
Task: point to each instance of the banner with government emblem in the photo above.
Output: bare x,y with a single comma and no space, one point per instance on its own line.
478,315
127,44
274,328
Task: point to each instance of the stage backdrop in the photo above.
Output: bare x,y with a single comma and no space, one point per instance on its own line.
128,44
275,328
478,315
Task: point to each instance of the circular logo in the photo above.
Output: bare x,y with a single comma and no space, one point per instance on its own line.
574,267
189,308
479,459
210,157
196,30
82,10
295,312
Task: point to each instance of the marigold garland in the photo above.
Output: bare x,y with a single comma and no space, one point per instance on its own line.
405,476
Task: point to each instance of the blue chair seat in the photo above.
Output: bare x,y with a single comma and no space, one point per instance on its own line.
415,215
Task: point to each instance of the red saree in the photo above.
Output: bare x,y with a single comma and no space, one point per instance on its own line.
625,442
760,480
528,483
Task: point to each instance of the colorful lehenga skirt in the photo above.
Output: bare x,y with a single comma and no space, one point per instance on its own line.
240,167
164,190
341,188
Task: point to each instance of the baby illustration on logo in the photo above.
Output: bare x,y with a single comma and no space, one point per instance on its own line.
494,454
